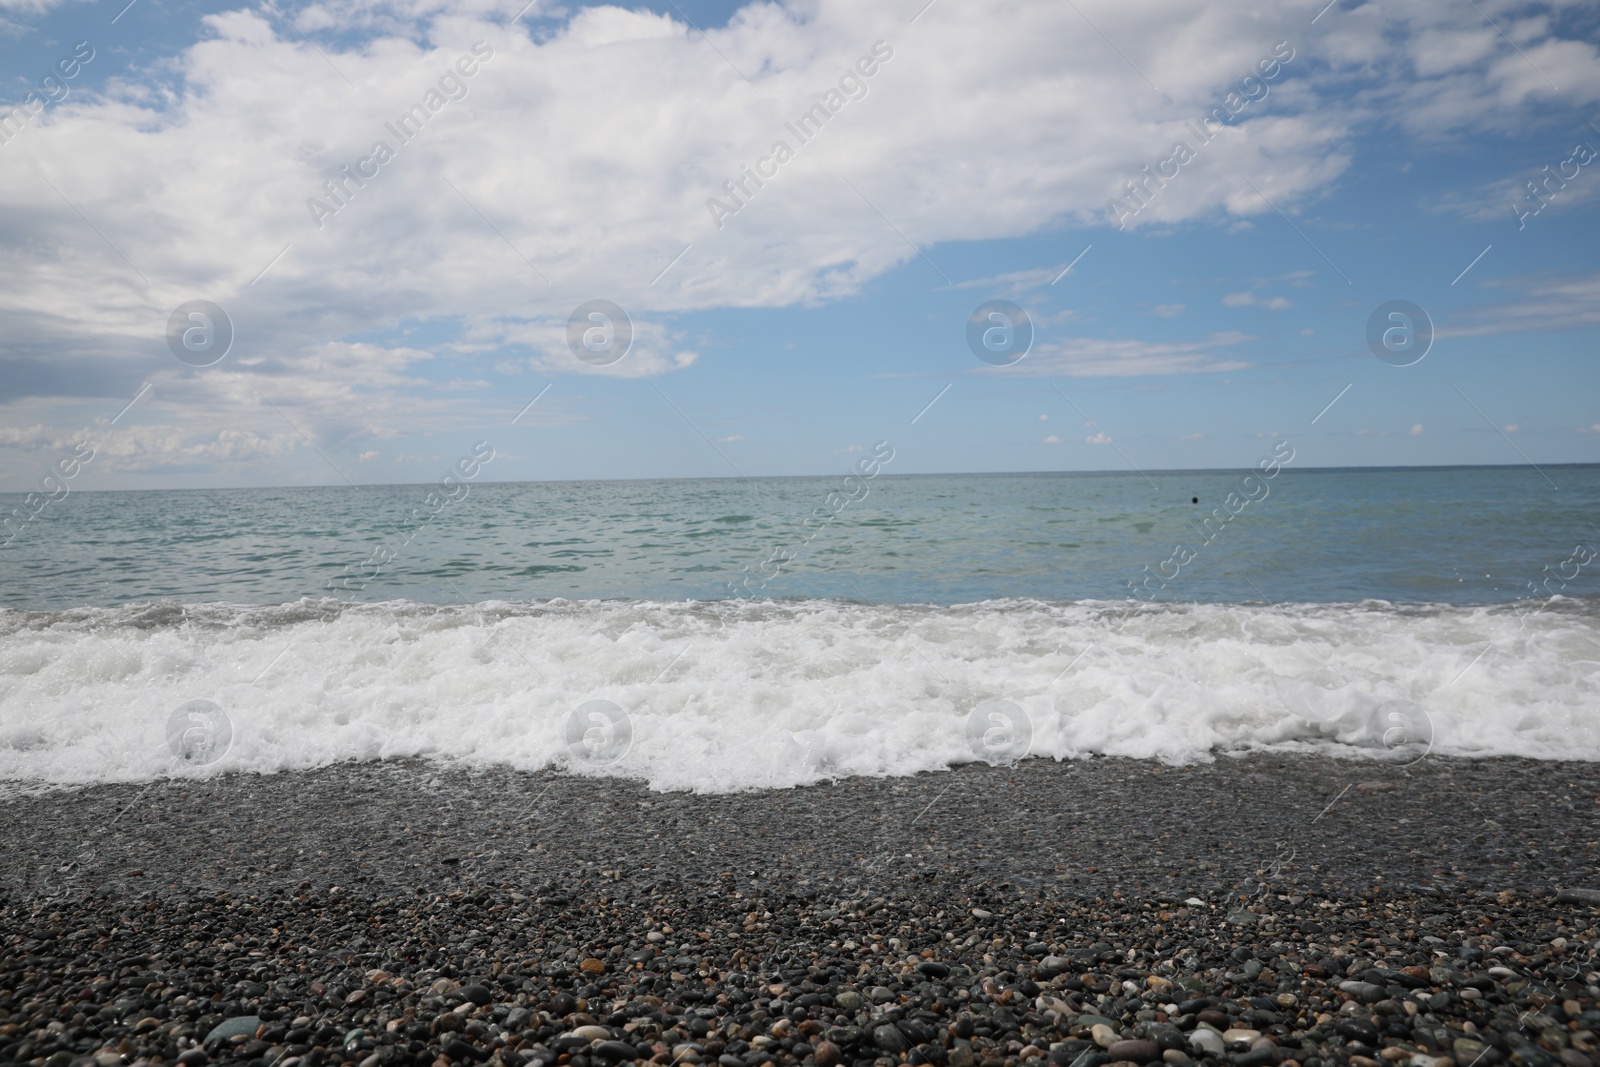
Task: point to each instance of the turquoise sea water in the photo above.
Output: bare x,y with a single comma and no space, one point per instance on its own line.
731,634
1465,535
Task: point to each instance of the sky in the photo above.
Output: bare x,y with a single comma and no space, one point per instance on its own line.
395,217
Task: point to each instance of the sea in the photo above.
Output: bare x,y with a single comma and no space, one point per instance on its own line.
731,634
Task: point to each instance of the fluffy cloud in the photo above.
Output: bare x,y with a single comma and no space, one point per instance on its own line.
1093,357
1249,299
577,159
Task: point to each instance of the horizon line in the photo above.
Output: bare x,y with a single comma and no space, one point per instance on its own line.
882,474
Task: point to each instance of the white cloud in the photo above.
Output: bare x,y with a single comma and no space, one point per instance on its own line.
730,440
1250,299
1547,303
1167,311
1416,429
1097,439
1052,440
1095,357
579,162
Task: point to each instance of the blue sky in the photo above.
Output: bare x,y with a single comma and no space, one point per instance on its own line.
980,159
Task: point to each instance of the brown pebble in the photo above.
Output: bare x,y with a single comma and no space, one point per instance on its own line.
1134,1051
828,1054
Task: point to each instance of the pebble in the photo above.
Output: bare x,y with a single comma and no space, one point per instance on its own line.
1103,1035
1590,897
246,1025
1207,1042
617,1051
1134,1051
889,1038
1365,992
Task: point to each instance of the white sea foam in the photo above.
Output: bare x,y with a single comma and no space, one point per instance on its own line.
731,696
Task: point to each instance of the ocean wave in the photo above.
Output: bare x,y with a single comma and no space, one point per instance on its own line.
737,695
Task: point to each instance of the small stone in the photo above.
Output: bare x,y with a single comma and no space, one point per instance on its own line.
828,1054
617,1051
1134,1051
1176,1058
655,937
847,1000
960,1055
881,994
462,1052
931,968
591,1033
195,1057
1579,896
1239,1034
592,966
1207,1042
1365,992
890,1039
356,996
1287,1000
1055,963
1046,1002
1103,1035
517,1019
981,913
239,1025
477,994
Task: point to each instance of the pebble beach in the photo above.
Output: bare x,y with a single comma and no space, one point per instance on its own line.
1249,912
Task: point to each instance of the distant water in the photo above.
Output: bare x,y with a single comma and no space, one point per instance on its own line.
730,645
1420,535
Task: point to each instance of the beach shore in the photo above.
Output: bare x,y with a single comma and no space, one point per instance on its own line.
1309,909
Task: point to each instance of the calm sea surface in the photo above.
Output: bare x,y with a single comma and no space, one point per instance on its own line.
1434,535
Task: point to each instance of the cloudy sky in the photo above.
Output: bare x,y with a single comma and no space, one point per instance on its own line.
398,207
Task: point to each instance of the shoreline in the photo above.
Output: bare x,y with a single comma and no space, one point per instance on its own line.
1044,915
1075,827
